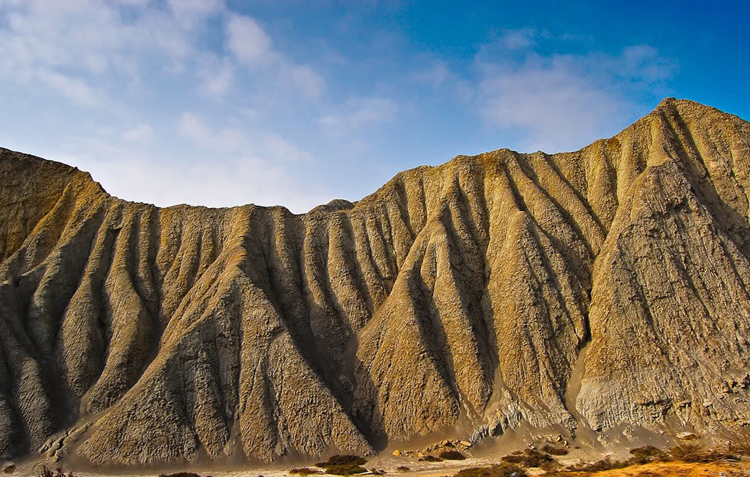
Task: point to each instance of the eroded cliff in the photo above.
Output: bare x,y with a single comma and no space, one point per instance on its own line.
131,334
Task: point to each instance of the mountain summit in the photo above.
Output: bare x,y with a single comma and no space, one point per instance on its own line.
604,289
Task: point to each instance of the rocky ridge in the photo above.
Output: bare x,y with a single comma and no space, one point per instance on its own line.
591,289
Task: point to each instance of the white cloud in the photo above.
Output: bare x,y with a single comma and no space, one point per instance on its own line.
217,76
281,149
194,128
83,48
230,141
72,88
310,83
135,175
360,113
143,134
520,39
191,11
251,45
435,76
563,101
248,41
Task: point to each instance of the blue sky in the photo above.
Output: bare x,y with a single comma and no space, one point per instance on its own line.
294,102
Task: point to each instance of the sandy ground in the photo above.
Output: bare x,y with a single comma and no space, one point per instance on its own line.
449,468
382,462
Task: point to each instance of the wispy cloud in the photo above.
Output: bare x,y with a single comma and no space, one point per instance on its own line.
142,134
562,101
360,113
135,175
248,41
194,128
240,174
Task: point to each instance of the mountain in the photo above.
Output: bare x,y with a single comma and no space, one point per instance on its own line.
600,289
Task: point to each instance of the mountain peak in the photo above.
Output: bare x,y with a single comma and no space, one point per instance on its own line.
597,290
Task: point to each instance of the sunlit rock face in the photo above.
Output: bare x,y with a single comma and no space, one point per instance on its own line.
131,334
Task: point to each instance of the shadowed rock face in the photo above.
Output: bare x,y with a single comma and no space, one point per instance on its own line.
131,334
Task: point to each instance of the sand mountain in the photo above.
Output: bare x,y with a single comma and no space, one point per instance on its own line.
600,289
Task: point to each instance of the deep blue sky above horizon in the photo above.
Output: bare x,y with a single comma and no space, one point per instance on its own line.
295,102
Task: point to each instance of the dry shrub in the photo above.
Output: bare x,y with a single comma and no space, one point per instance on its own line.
553,450
503,469
9,469
402,468
47,472
452,455
528,458
304,471
599,466
343,465
342,460
430,458
180,474
740,446
696,453
345,469
646,454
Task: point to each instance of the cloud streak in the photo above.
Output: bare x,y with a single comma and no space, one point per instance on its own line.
562,101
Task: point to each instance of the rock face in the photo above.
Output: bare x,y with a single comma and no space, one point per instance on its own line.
471,291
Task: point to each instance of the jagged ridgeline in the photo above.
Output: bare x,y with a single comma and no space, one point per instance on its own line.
469,293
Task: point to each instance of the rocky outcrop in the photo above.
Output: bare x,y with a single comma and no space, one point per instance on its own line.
466,292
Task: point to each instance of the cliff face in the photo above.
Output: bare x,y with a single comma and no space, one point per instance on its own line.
131,334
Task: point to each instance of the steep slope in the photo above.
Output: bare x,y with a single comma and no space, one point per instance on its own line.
461,293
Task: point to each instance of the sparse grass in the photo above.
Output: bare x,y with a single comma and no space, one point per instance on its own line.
452,455
553,450
304,471
503,469
528,458
344,465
